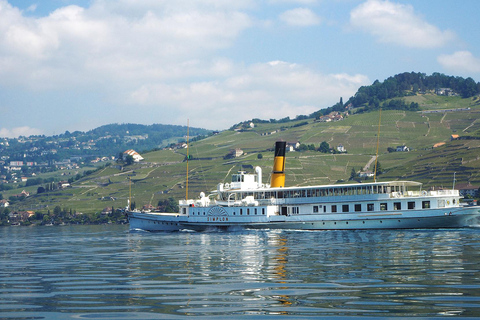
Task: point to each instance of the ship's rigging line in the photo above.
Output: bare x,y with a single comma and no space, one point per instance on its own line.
378,141
188,147
188,158
201,169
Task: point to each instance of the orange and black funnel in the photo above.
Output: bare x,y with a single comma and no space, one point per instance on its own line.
278,174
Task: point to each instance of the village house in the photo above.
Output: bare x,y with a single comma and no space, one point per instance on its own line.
238,152
107,211
341,148
402,149
63,184
19,216
148,207
324,119
445,92
337,117
136,156
180,145
4,203
235,153
22,194
466,189
292,146
332,116
366,174
269,133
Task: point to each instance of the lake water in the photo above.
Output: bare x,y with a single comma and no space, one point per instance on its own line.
107,272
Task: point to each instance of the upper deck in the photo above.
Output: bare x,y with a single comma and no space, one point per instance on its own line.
246,186
248,190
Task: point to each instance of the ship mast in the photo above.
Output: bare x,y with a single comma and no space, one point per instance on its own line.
188,127
129,193
378,141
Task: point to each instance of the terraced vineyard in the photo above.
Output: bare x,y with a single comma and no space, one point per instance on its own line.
163,173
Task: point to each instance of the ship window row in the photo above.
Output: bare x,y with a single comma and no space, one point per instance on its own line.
254,211
238,178
337,191
323,192
384,206
248,211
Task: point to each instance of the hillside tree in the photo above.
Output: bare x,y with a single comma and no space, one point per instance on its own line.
324,147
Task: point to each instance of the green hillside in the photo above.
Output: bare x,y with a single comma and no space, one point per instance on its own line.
163,173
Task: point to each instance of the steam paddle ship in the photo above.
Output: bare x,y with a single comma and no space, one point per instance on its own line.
246,202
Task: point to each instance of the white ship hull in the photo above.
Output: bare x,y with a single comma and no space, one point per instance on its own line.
457,218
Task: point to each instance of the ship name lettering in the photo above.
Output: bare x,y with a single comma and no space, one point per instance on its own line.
217,219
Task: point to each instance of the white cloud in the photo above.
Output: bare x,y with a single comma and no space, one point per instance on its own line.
32,8
268,90
160,58
397,23
301,17
460,62
19,131
111,41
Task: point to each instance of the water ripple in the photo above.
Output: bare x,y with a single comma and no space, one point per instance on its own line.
105,272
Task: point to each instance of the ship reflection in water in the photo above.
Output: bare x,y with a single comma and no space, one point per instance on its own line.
421,273
95,271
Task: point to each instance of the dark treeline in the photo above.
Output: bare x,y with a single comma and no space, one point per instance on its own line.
405,84
401,85
61,216
113,137
377,95
106,140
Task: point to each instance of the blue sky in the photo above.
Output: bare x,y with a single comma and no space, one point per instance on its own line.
76,65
